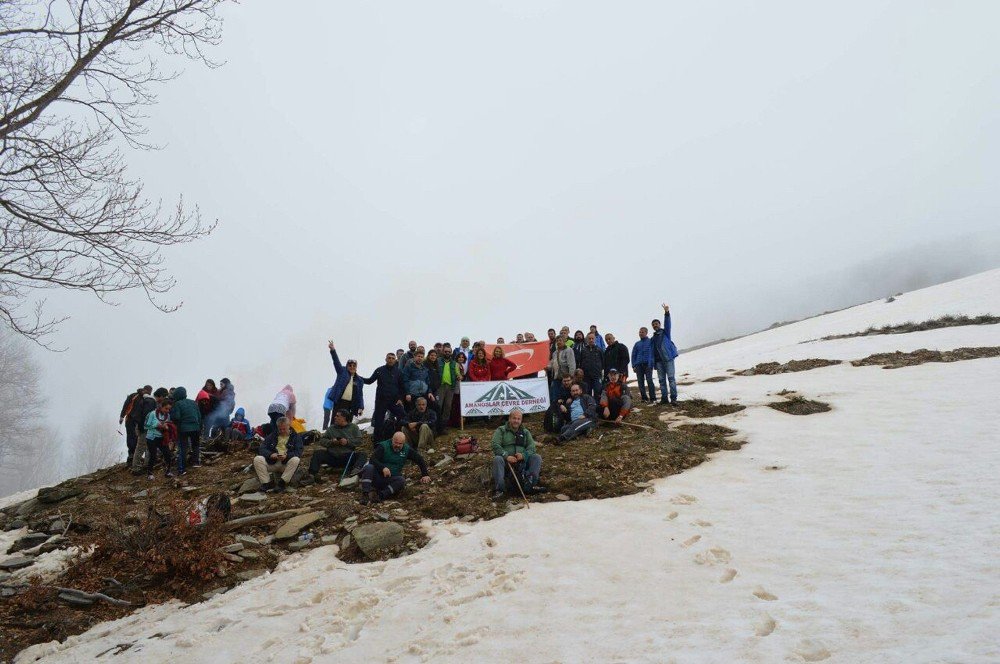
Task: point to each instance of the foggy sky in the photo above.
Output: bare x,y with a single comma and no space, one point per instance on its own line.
393,170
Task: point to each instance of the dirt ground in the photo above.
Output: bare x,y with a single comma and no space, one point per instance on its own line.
935,324
115,510
899,359
772,368
798,405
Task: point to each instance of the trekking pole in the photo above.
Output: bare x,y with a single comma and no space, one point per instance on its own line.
518,483
628,424
346,467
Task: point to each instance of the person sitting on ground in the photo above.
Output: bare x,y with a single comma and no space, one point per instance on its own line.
592,364
347,392
280,452
161,436
240,427
664,354
416,380
580,412
479,368
642,364
283,405
555,419
382,477
388,394
419,425
339,446
616,399
514,448
500,367
615,356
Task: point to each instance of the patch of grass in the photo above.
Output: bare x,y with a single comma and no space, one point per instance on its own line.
934,324
699,408
800,406
899,359
773,368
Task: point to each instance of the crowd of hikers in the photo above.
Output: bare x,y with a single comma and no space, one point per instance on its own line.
417,397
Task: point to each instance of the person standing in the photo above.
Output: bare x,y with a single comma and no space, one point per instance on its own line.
161,435
149,404
592,363
479,367
664,354
283,405
388,394
347,392
187,417
615,356
130,410
642,363
450,372
500,367
563,361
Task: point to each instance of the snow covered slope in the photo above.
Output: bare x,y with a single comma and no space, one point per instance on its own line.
866,534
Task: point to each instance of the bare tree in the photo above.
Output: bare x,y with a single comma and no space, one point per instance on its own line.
94,444
75,76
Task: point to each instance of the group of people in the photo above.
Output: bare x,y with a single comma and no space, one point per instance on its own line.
415,400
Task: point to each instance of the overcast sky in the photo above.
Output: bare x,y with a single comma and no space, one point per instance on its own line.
391,170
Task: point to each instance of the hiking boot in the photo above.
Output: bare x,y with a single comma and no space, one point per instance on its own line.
318,479
664,402
355,471
196,465
365,498
498,495
281,487
170,474
267,488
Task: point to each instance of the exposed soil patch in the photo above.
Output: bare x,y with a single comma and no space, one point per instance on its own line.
800,406
772,368
699,408
935,324
717,379
899,359
111,511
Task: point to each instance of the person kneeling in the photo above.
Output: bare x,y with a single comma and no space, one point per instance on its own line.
340,443
615,399
581,411
382,477
514,448
280,452
419,425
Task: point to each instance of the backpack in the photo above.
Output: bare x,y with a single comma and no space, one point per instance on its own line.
466,445
552,420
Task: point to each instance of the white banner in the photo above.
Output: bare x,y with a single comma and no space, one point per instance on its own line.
499,397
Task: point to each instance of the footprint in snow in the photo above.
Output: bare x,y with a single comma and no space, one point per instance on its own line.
683,499
765,626
727,576
760,593
671,516
691,540
812,651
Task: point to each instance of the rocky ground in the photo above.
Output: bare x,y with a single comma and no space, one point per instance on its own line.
99,546
934,324
900,359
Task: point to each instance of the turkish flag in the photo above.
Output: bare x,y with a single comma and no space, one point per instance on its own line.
530,358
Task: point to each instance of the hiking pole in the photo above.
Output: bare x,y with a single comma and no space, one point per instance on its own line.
628,424
518,483
346,466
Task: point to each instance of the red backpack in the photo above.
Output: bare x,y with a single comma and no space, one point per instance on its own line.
466,445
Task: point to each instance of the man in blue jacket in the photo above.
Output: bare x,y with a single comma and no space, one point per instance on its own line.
664,353
347,391
642,363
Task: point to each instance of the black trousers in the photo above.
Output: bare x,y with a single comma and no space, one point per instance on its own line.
385,486
335,459
378,416
131,436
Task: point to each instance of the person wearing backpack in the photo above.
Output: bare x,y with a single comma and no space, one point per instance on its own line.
148,404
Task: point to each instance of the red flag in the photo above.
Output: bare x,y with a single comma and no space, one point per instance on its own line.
530,358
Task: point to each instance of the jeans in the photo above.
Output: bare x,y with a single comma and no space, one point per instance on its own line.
528,478
385,486
665,372
188,440
338,458
644,372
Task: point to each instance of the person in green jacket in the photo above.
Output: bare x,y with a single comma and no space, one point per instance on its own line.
340,446
187,417
382,477
514,447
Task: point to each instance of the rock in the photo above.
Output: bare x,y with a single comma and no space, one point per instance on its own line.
464,456
29,541
353,517
232,557
249,555
346,543
94,497
291,528
444,462
14,525
373,538
215,591
57,527
298,545
328,539
382,516
233,548
57,542
188,489
247,539
16,562
267,540
251,485
4,576
253,497
468,518
76,600
348,481
56,494
141,494
562,496
246,575
643,485
28,507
